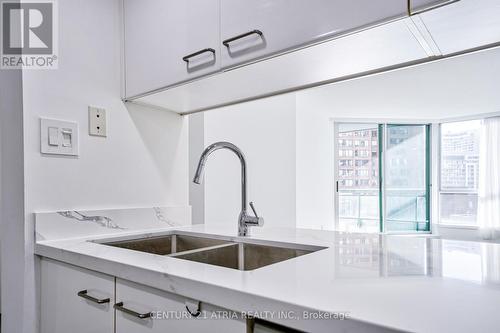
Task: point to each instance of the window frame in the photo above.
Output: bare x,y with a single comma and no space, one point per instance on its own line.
436,227
439,187
382,128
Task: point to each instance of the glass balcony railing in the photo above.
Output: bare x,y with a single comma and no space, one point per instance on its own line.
359,210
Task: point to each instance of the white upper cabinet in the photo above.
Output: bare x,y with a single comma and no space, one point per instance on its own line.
259,28
369,50
419,5
167,42
464,25
160,36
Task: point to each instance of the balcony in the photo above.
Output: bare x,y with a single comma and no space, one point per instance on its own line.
359,210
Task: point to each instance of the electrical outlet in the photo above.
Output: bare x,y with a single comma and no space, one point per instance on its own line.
97,121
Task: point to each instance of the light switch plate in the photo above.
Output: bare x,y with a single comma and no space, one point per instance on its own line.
58,137
53,136
97,121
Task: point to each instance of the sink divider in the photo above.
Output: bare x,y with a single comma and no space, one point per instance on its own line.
173,244
241,257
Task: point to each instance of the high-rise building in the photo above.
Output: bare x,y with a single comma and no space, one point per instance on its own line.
460,160
358,158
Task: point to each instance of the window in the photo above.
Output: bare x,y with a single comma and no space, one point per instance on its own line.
459,172
362,172
362,163
364,153
346,163
402,204
407,178
358,205
346,172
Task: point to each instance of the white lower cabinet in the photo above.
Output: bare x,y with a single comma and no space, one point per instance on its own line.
142,309
78,300
263,327
75,300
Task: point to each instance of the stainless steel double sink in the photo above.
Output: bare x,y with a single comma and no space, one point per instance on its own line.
237,254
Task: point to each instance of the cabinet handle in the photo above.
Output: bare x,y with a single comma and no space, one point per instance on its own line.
119,306
232,39
84,294
195,314
186,58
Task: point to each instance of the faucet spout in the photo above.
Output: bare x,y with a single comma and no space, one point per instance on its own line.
244,219
199,172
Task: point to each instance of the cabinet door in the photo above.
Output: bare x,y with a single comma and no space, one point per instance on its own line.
278,25
419,5
63,310
266,327
159,34
168,313
464,24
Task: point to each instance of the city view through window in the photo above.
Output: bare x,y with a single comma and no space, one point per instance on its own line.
405,205
459,172
405,201
406,182
358,178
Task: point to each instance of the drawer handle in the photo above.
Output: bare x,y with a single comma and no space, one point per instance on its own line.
84,294
232,39
186,58
195,314
119,306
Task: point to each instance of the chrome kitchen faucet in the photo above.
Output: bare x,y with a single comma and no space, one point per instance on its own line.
244,220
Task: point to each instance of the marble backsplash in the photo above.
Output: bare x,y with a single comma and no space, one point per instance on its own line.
70,224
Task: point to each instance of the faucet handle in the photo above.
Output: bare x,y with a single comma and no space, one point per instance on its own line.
253,209
259,220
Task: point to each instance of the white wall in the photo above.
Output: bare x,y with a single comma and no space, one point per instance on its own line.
142,162
265,131
12,211
289,151
315,168
196,147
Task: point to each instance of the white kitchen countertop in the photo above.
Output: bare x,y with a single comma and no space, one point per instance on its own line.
413,284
